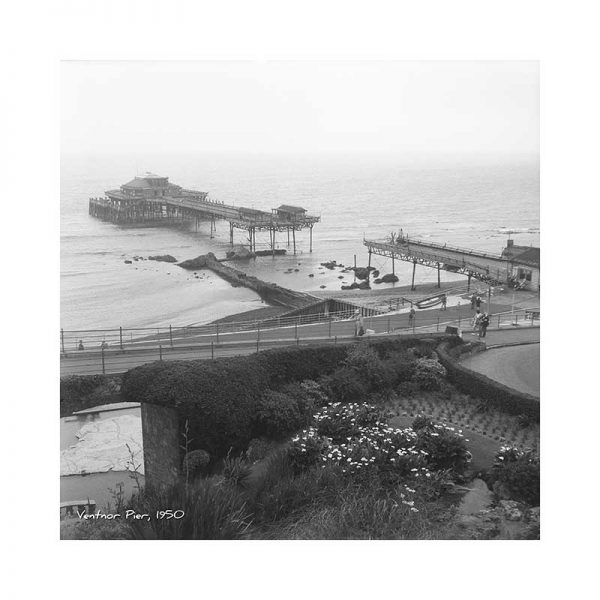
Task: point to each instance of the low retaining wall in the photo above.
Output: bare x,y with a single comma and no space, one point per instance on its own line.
498,396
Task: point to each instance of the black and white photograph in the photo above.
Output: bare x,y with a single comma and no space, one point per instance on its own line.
272,274
300,300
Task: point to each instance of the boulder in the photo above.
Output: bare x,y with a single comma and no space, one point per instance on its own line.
361,272
239,253
389,278
128,262
164,258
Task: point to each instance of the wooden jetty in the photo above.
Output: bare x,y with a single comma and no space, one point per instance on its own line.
151,199
518,268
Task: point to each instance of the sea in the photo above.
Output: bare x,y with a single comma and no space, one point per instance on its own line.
470,202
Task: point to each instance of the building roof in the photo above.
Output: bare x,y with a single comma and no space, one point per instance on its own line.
143,181
531,256
291,209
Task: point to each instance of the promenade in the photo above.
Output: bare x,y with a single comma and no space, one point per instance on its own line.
189,344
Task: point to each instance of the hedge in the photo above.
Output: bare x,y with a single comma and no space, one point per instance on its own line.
219,398
495,394
78,392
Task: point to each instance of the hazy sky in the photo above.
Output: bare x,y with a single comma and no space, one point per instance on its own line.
300,107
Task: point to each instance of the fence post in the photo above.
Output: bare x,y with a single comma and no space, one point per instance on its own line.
388,325
335,340
212,350
171,335
121,338
217,333
330,326
62,340
498,321
103,367
438,324
296,328
160,352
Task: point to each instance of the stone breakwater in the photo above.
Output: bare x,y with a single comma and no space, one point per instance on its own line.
269,292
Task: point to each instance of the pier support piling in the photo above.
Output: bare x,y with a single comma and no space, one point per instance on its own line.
438,270
412,285
310,230
294,238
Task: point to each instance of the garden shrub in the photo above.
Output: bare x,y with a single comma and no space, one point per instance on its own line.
353,438
236,470
284,365
218,398
340,421
429,374
277,415
344,385
422,422
78,392
515,475
306,449
401,365
445,447
259,448
374,372
309,397
195,463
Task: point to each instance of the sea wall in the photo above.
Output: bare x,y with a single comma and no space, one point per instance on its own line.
269,292
497,395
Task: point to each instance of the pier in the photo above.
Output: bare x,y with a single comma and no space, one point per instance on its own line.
152,200
518,266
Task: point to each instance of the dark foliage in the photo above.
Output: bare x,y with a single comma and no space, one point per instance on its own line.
277,415
344,385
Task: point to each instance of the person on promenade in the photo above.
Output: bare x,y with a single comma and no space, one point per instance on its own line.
359,325
476,321
483,325
473,299
80,347
478,302
444,301
411,317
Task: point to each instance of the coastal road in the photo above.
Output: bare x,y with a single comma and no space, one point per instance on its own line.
116,361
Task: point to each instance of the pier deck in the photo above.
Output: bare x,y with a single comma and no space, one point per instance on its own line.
489,268
180,205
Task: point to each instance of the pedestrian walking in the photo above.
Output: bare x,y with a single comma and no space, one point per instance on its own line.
444,301
478,302
483,325
411,317
476,321
80,347
473,299
359,325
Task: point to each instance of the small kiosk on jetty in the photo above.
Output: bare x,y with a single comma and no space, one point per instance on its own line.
151,199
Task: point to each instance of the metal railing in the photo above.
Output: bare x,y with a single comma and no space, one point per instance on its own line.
115,359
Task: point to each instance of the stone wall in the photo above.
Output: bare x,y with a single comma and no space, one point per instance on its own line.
160,432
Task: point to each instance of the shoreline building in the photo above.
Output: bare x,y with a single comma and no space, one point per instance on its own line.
524,265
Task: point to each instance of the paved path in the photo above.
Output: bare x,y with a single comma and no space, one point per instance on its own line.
517,367
246,342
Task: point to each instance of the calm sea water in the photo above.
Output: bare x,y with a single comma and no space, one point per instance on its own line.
461,202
